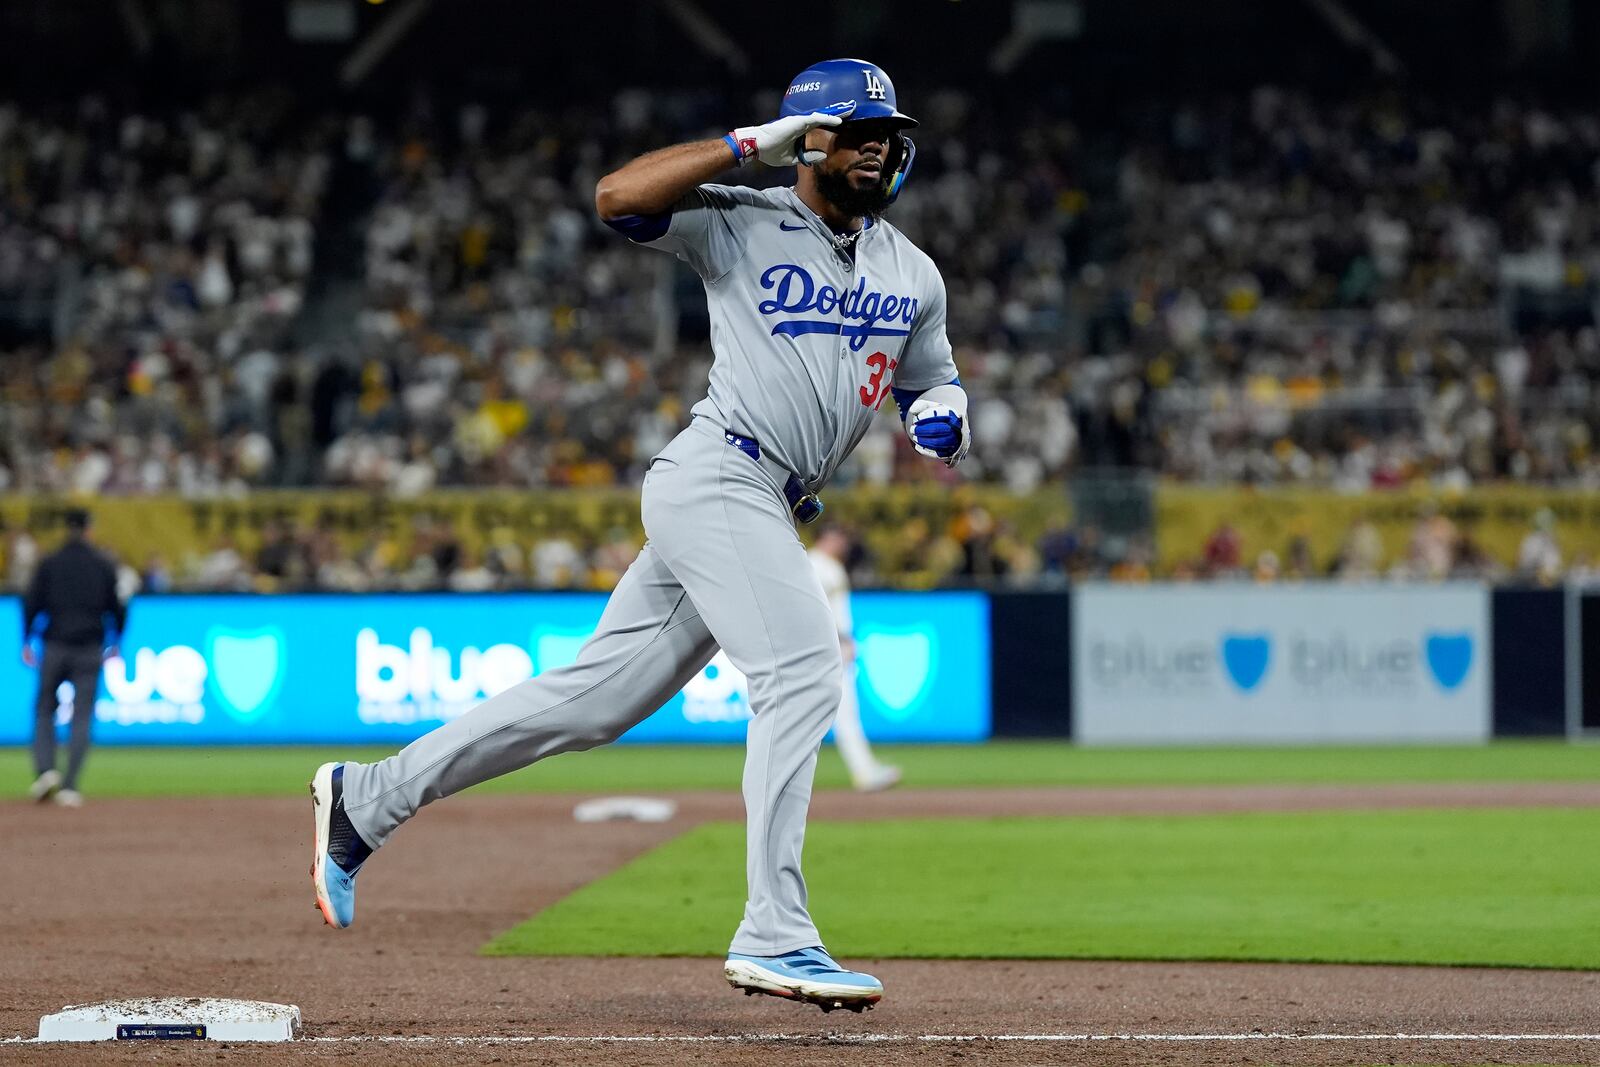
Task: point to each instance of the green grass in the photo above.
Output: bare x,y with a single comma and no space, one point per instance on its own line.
1510,887
640,768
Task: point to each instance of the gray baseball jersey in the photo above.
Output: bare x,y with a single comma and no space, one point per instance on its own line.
807,340
807,344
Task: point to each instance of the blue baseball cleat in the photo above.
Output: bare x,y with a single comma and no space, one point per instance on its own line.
808,974
338,851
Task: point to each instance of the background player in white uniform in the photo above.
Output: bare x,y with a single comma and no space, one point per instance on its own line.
828,557
819,309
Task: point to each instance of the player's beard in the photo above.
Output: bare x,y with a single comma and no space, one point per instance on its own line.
837,189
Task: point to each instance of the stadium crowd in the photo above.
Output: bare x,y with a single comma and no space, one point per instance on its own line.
973,547
1362,296
1273,289
151,266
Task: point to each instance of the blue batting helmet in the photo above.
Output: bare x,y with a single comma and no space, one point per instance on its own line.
865,84
835,80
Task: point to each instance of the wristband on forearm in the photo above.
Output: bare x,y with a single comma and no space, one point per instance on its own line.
743,150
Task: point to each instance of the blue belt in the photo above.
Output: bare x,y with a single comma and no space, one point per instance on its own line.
804,506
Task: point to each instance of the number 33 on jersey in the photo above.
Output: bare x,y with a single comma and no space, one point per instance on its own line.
877,387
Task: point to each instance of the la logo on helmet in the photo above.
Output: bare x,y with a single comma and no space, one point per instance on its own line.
875,90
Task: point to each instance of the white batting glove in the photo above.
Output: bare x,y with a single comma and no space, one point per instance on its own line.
778,143
938,431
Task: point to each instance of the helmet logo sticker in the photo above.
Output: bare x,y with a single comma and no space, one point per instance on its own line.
875,89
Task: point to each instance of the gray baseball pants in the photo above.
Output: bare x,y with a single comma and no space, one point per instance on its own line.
80,665
722,566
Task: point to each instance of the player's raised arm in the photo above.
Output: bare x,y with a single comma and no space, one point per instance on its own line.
656,181
653,183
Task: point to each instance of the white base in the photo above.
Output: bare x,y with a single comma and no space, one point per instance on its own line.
639,809
223,1020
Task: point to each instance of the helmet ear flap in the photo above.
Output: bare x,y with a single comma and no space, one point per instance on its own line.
904,154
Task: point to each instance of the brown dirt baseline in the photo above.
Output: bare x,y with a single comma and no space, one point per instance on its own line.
209,897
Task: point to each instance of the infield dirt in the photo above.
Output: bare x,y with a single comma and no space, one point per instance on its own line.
209,897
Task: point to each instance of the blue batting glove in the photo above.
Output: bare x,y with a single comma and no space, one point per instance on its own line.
939,434
938,430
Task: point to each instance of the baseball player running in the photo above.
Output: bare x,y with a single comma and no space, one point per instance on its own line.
827,559
819,310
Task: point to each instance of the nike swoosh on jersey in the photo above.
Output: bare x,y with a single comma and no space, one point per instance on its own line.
786,226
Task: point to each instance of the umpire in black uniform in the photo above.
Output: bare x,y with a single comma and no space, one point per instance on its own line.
75,588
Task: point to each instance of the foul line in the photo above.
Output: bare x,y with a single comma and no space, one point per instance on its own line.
872,1038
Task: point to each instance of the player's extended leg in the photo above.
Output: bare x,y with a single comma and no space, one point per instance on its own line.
867,774
52,672
85,671
726,533
650,641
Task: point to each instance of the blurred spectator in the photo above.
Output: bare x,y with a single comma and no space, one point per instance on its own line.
1223,552
1539,557
223,569
1267,568
1361,555
976,532
21,557
156,576
1472,562
557,563
472,576
1136,562
1432,548
1298,564
611,558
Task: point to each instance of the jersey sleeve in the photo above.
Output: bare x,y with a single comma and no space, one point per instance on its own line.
704,231
927,360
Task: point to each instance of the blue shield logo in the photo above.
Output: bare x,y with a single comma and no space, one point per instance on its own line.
1449,658
897,666
1246,657
246,669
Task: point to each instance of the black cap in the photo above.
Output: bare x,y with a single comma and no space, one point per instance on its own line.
77,519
